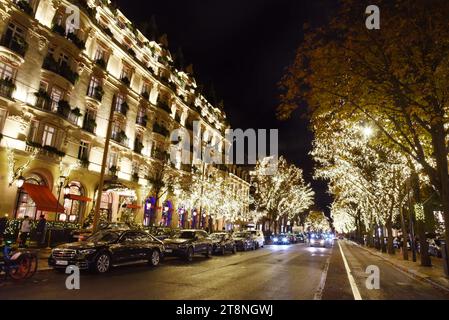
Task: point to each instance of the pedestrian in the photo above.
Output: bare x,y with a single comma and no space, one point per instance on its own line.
41,230
25,231
3,224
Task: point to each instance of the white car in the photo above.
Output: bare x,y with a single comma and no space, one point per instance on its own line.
259,238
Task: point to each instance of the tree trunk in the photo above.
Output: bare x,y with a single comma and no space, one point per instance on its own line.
383,246
440,151
370,238
390,247
420,226
404,235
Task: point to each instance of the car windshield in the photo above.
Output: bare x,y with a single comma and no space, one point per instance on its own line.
102,236
217,236
185,235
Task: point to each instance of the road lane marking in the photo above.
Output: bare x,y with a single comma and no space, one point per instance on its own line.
319,292
355,290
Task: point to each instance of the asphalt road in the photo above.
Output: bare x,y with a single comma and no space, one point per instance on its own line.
295,272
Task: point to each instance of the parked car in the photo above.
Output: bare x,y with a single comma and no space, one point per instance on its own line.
244,241
282,239
259,238
106,249
187,243
83,234
222,242
163,233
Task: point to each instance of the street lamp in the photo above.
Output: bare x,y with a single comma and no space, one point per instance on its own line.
20,182
367,132
61,181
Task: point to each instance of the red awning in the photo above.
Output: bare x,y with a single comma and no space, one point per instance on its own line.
133,206
43,198
78,198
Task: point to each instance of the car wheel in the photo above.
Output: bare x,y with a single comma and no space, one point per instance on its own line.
102,263
155,258
223,251
189,254
257,245
254,247
234,249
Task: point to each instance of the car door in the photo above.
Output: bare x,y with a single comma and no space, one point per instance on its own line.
201,244
129,247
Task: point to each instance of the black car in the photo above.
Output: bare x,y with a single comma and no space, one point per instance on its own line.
187,243
106,249
163,233
223,242
83,234
244,241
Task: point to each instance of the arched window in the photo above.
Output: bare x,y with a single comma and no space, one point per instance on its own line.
25,205
74,207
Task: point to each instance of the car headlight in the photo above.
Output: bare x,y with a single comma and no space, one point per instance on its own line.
87,251
312,241
322,241
276,239
285,240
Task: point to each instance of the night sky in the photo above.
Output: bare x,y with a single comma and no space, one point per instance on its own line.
243,48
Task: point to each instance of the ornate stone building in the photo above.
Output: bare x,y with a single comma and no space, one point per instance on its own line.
61,72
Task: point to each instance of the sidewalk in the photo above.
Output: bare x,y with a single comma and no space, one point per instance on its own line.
433,275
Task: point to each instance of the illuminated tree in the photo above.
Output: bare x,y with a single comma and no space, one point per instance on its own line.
281,193
395,78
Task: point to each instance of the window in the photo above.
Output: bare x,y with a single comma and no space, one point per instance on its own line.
63,59
90,120
119,101
112,161
7,71
136,168
126,72
26,205
94,84
100,54
83,152
48,136
56,95
146,88
75,208
32,134
14,34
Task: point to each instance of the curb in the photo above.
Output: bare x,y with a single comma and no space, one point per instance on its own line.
414,274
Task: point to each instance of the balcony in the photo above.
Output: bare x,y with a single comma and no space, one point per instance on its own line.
61,108
61,69
157,128
120,137
159,155
7,87
125,80
163,106
17,45
89,124
122,108
138,147
101,63
96,94
71,36
25,7
142,121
